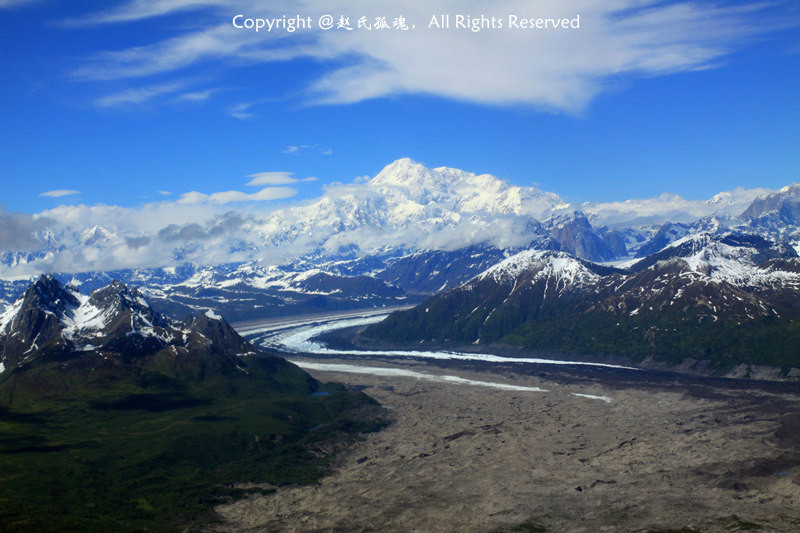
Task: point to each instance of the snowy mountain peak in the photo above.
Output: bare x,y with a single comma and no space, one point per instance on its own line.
403,172
463,192
97,235
540,263
793,189
740,260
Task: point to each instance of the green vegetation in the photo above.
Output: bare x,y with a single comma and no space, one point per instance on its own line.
127,451
769,342
668,337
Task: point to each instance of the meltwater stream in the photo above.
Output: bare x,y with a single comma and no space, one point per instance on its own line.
297,336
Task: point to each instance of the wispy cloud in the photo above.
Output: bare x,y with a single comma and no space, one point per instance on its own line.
9,4
58,193
301,148
138,95
226,197
136,10
166,56
197,96
240,111
271,178
556,70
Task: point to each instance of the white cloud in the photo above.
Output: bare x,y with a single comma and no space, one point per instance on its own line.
9,4
226,197
165,56
240,111
669,208
197,96
297,149
138,95
310,178
17,230
58,193
556,69
327,152
271,178
164,193
135,10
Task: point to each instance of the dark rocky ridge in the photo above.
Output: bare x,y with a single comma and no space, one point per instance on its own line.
114,326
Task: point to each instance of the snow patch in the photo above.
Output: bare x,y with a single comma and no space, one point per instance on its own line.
401,372
9,314
593,397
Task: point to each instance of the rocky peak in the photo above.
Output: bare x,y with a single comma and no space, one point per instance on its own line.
33,323
208,331
736,259
49,294
117,298
785,204
114,323
574,234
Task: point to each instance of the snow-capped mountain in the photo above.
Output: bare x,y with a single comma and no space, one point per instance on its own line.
406,206
530,283
443,192
409,230
114,325
725,299
410,205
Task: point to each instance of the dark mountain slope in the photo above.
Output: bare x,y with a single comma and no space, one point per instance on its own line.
723,299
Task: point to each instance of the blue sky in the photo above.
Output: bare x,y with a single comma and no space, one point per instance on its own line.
142,101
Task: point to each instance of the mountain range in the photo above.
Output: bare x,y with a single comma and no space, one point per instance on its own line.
399,237
724,303
406,207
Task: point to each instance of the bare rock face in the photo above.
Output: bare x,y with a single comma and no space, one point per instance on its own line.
32,326
574,234
782,206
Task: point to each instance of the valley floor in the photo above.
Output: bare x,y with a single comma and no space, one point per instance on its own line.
666,453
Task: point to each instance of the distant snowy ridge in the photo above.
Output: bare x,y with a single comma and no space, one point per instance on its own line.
406,206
